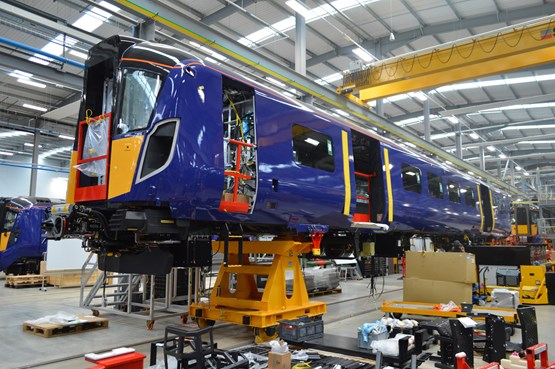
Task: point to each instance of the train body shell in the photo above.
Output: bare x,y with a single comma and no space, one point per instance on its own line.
218,148
23,241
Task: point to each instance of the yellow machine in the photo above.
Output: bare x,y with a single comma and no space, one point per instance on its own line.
236,297
532,284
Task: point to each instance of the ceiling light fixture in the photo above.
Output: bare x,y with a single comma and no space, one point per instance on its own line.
31,145
363,54
31,83
66,137
474,136
531,126
491,148
34,107
536,142
391,35
453,119
6,153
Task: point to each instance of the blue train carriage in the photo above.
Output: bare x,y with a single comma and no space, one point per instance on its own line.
22,242
169,148
441,201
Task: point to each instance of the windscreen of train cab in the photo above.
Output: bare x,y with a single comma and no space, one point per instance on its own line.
144,68
140,89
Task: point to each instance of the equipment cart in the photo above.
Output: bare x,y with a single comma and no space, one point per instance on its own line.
397,308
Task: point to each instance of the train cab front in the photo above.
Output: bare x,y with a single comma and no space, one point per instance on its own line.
122,81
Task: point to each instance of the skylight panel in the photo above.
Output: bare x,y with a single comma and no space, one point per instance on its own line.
88,22
289,22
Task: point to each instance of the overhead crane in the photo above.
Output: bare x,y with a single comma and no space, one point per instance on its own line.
508,49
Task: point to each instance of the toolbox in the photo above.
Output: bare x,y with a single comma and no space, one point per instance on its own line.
508,277
302,329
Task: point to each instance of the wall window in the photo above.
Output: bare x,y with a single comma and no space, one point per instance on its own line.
412,178
469,198
454,191
435,186
312,148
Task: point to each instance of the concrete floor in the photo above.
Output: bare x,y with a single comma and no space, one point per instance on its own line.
346,312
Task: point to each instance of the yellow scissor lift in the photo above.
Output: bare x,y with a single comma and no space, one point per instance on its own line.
398,308
235,297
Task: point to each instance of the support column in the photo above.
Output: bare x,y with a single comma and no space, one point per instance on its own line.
300,44
483,160
512,173
426,114
34,161
145,30
539,187
458,141
379,102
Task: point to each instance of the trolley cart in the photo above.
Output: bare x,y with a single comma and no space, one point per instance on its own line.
398,308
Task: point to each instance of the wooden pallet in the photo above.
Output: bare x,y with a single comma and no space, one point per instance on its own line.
62,280
325,292
53,330
27,280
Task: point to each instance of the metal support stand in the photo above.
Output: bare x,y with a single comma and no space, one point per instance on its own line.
125,294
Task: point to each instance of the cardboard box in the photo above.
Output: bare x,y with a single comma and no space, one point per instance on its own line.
442,266
279,361
437,292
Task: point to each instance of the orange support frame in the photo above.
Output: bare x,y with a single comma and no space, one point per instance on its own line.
99,191
236,298
236,205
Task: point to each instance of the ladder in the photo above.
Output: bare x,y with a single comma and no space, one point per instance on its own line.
126,294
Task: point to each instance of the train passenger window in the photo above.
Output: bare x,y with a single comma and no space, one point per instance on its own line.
312,148
469,198
435,186
140,89
454,191
411,178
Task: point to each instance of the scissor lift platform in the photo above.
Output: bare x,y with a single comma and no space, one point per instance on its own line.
428,309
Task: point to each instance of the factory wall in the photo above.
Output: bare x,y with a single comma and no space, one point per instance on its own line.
15,179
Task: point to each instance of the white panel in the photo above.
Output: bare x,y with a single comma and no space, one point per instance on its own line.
66,255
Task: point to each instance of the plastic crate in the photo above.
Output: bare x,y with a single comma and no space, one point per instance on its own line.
508,277
371,337
303,329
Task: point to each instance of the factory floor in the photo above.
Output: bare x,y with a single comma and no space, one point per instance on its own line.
346,311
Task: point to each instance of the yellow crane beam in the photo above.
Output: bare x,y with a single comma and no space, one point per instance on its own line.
511,48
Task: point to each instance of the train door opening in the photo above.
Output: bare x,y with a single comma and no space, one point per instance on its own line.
370,199
240,150
486,208
7,219
94,130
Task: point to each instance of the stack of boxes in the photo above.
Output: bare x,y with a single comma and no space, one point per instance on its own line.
439,277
